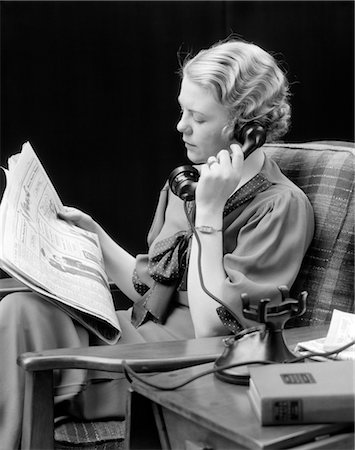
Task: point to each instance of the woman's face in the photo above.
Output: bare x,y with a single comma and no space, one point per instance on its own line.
201,122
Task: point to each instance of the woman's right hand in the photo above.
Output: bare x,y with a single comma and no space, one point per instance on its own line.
219,178
78,218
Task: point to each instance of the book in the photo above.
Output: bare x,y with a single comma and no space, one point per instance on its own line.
310,392
60,261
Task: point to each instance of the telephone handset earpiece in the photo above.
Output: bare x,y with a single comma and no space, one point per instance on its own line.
251,136
183,179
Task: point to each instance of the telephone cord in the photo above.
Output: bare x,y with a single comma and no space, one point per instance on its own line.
130,373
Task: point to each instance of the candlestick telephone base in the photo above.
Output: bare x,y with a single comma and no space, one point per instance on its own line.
262,343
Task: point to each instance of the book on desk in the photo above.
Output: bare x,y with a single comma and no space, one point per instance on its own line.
314,392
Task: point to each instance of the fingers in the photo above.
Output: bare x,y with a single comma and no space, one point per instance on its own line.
69,213
65,211
222,158
212,160
237,156
226,158
70,209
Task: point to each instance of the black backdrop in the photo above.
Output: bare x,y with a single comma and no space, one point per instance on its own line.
93,85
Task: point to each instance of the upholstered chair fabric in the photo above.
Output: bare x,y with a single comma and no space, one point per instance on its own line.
325,172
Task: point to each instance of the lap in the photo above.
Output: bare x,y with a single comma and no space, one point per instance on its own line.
37,324
34,315
177,326
43,316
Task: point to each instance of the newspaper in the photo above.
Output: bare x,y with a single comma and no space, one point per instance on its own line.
341,332
57,259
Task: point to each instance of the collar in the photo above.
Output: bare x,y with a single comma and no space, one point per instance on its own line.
249,190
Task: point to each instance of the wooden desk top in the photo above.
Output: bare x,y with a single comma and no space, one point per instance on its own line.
225,408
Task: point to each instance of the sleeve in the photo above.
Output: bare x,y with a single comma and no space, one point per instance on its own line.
141,279
269,250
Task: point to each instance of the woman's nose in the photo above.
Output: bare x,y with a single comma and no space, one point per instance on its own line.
183,127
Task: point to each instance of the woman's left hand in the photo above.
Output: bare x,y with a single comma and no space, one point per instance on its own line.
78,218
219,178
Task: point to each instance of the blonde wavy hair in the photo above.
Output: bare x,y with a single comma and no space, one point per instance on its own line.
247,80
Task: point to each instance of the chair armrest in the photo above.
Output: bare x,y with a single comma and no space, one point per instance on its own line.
146,357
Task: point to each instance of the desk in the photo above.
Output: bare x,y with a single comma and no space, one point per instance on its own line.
210,414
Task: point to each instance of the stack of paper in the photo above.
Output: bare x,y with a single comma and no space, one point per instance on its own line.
341,332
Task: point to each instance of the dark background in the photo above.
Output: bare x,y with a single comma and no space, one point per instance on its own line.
93,87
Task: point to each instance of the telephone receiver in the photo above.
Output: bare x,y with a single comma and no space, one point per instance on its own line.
183,179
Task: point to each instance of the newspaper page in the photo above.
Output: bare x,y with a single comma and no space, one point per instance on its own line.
341,332
57,259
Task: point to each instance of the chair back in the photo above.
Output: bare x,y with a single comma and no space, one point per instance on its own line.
325,172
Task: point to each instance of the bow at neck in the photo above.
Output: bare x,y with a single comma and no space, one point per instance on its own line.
168,260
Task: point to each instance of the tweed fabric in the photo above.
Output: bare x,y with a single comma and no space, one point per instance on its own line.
110,445
325,172
91,435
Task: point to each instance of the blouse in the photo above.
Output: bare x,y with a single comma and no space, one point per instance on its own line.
268,225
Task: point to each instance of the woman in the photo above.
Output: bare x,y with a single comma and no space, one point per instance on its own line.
248,216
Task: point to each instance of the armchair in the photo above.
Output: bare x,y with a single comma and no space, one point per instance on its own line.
325,171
